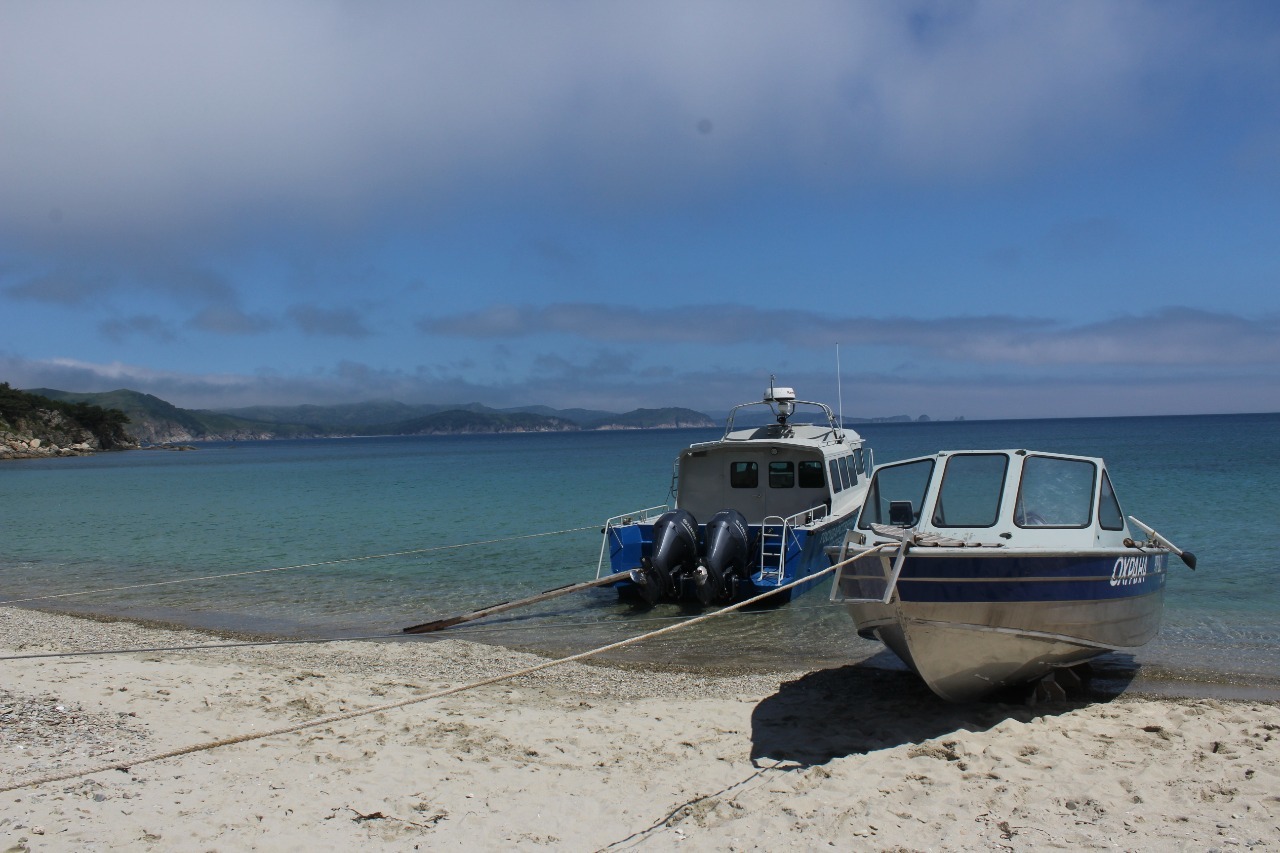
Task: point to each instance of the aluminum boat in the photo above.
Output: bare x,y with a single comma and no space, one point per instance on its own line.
986,569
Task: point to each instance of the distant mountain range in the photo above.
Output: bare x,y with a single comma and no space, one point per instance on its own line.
155,421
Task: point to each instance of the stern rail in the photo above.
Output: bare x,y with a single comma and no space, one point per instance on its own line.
640,516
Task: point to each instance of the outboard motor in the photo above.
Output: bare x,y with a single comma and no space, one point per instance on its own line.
728,555
675,551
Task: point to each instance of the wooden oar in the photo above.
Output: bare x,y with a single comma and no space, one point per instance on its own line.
441,624
1187,556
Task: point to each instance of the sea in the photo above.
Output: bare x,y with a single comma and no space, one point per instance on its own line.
361,537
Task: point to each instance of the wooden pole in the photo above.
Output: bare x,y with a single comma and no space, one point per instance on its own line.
441,624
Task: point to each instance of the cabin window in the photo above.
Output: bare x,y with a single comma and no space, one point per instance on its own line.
906,481
744,475
1055,493
972,485
1109,515
782,475
860,462
811,475
847,472
836,485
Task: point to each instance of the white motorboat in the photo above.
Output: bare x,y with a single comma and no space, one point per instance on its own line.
752,511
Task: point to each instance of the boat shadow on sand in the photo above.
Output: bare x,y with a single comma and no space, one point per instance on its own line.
878,704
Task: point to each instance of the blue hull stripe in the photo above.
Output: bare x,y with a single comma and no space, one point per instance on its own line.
1027,579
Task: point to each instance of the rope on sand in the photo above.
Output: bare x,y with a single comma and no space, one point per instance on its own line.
299,566
125,766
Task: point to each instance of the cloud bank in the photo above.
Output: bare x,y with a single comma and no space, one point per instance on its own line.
1166,362
144,117
1173,336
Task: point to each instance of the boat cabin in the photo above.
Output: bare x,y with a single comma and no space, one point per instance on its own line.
763,473
998,497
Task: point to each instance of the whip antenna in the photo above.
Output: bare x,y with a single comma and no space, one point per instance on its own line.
839,389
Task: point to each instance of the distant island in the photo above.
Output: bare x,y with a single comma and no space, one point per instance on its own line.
47,421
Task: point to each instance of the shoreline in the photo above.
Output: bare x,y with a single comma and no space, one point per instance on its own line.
592,756
1117,672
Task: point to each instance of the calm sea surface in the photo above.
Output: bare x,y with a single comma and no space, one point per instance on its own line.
71,530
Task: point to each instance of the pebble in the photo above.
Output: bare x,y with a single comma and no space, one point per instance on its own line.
44,730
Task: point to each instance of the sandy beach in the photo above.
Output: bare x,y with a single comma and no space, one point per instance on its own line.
590,757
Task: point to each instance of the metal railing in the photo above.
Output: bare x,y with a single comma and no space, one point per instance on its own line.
779,531
867,584
640,516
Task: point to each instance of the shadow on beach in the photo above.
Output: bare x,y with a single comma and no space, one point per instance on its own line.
878,704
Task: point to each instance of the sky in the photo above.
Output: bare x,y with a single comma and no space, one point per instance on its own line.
961,209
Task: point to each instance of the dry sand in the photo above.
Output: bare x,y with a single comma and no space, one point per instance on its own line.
585,757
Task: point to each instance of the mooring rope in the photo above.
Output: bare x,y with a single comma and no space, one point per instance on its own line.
125,766
299,566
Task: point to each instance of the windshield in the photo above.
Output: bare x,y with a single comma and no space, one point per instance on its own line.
906,481
1055,493
972,486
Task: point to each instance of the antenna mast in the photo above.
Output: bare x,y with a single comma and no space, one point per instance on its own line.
839,390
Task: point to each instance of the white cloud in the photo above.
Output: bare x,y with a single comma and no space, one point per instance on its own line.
143,115
1167,337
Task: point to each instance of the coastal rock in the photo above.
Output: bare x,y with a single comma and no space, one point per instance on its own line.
674,424
161,432
46,435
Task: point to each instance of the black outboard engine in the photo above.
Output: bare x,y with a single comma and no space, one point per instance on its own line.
728,556
675,551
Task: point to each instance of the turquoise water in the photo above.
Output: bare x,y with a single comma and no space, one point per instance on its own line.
1209,483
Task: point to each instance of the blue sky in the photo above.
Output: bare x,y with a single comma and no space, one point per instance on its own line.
995,209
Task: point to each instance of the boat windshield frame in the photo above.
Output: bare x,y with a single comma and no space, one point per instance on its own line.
1066,500
831,417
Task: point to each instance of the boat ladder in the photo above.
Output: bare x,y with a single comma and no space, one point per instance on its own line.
777,535
774,532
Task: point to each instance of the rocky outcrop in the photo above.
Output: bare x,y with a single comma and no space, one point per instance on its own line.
172,432
673,424
45,434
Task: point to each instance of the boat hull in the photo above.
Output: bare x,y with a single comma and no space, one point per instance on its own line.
970,625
